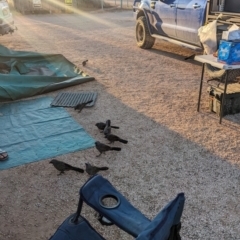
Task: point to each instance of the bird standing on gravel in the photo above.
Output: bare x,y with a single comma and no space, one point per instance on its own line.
107,129
102,148
84,62
91,169
80,106
113,138
61,166
102,125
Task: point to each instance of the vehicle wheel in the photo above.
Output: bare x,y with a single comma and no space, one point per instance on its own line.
143,37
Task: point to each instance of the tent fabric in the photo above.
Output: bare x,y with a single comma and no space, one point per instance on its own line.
32,130
25,74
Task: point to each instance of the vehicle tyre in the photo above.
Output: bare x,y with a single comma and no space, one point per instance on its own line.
143,36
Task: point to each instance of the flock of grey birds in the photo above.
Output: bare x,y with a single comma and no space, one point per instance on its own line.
101,147
62,167
106,129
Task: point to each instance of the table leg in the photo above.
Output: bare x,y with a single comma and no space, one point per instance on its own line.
223,97
200,89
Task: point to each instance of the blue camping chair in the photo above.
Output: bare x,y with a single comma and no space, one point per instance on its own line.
76,229
165,226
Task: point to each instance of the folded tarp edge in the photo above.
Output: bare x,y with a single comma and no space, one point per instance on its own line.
67,83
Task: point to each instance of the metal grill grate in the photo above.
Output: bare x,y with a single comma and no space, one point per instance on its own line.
65,99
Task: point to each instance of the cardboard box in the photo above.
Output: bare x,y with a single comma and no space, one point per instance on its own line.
229,52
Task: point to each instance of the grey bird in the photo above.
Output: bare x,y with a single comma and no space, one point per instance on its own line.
91,169
62,166
102,125
113,138
84,62
102,148
107,129
80,106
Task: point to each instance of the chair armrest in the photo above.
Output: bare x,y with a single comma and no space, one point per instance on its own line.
124,215
167,221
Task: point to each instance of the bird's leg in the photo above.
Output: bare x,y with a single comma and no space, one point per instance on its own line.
99,155
61,173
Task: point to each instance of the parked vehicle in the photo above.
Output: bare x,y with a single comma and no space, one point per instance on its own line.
6,19
34,6
177,21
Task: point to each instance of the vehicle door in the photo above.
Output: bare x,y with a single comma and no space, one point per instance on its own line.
164,12
190,17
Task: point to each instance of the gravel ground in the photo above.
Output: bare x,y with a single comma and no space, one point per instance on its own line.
152,95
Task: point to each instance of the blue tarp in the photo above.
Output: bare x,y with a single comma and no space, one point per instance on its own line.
32,130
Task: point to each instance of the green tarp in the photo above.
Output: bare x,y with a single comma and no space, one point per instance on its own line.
25,74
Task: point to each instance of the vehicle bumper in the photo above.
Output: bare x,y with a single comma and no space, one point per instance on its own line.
135,7
135,15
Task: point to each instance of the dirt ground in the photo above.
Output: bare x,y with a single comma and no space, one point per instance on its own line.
152,96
